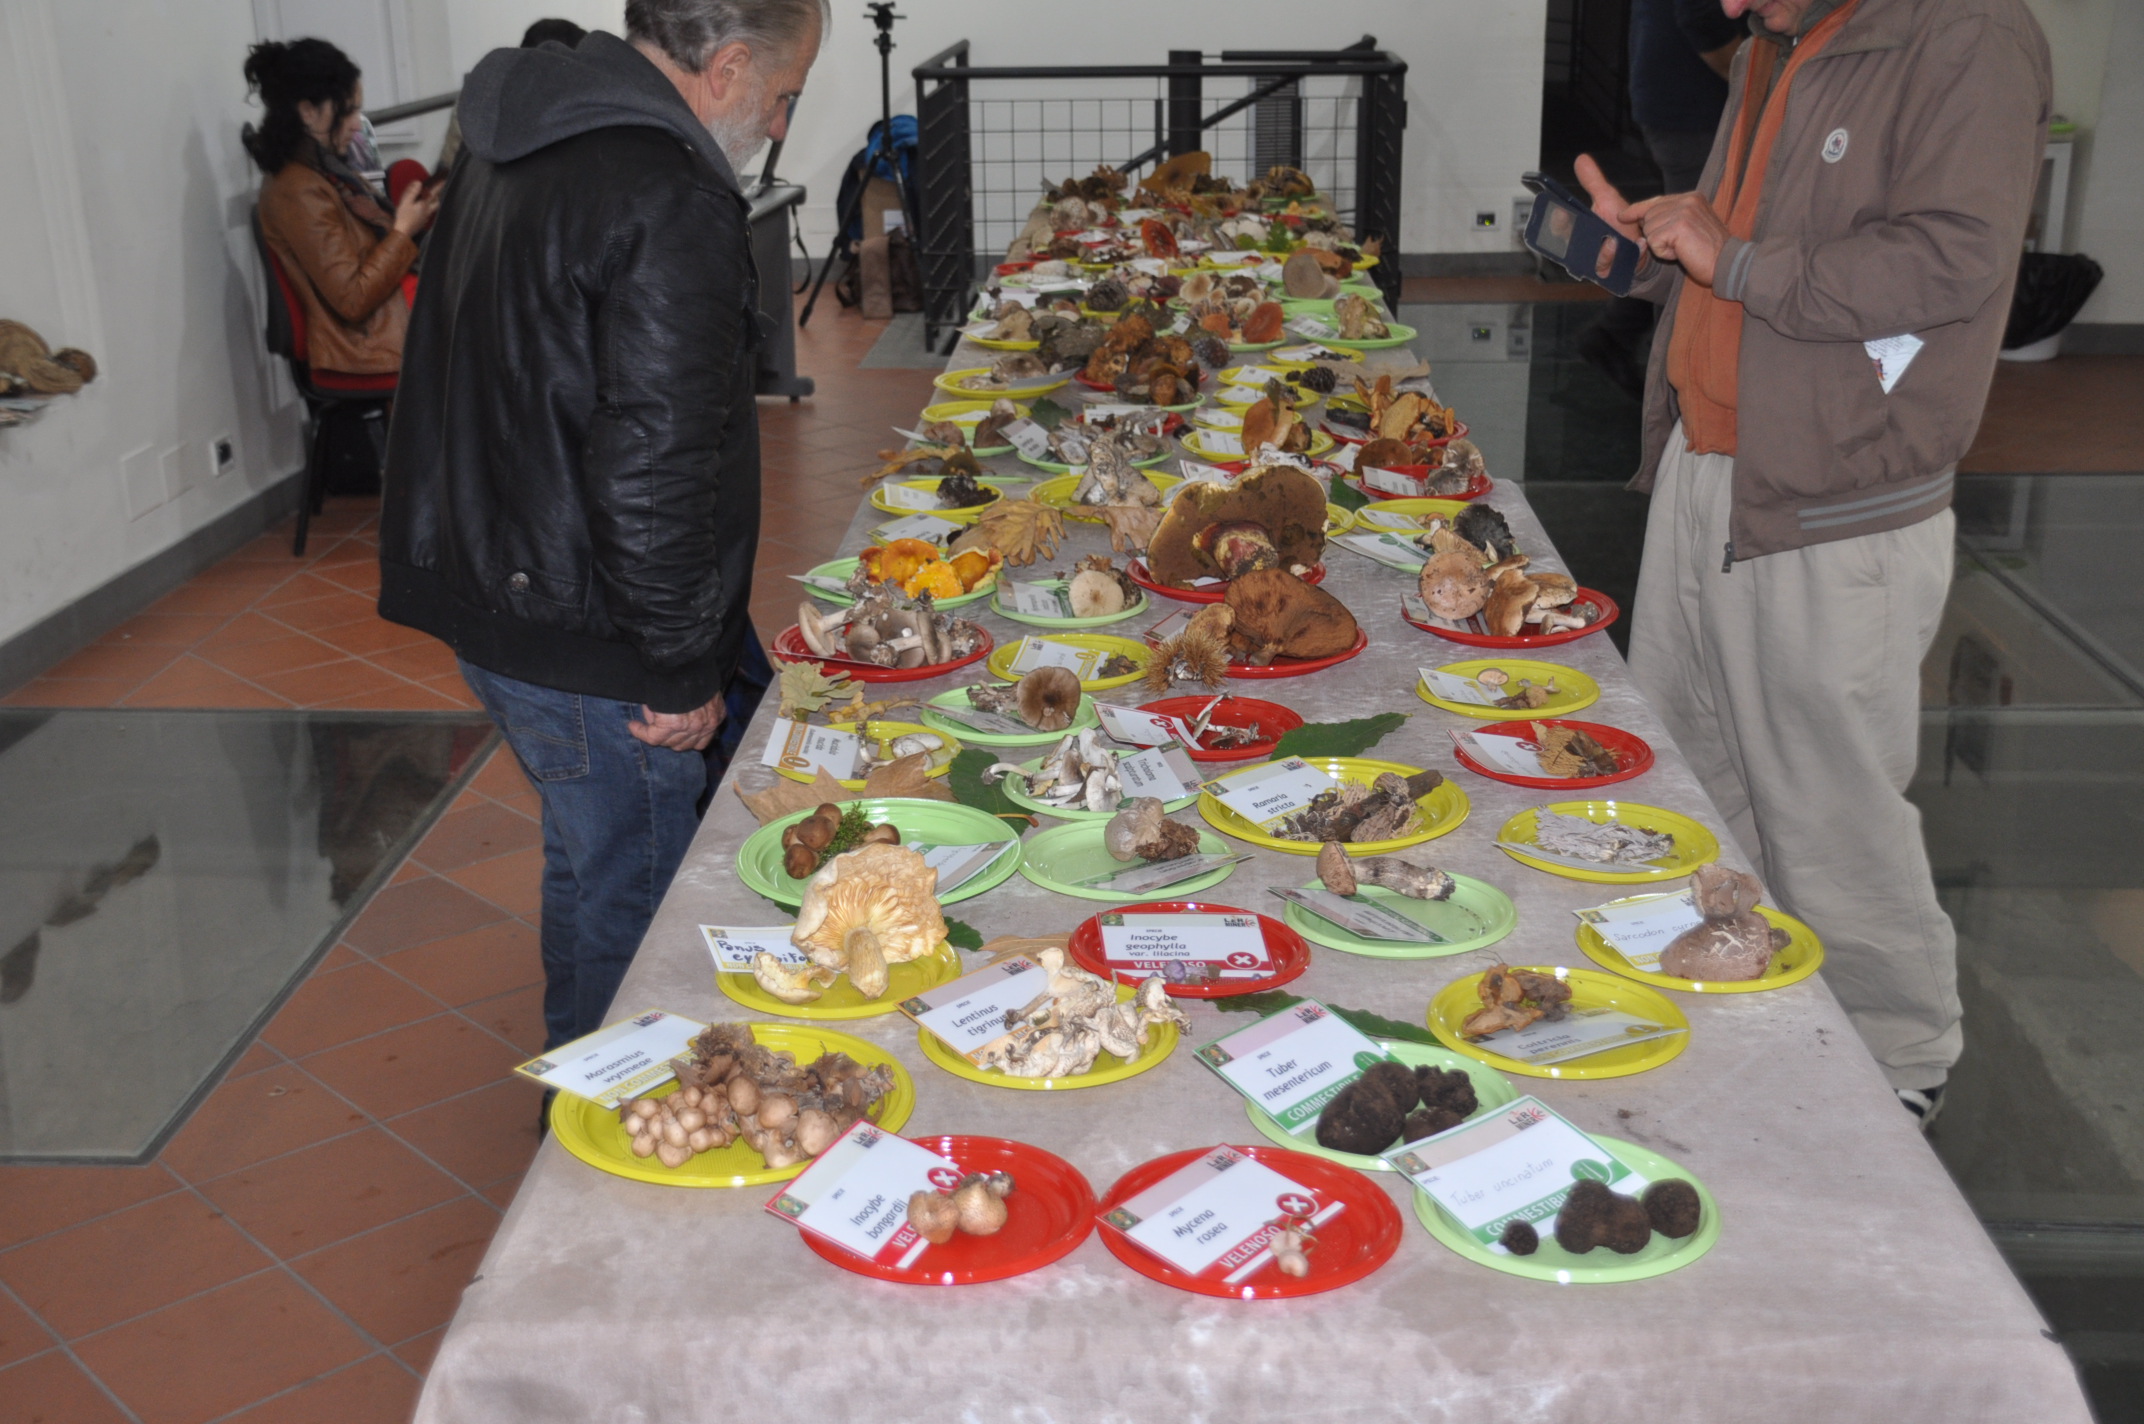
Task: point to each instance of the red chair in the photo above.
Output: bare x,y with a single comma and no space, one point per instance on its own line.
324,391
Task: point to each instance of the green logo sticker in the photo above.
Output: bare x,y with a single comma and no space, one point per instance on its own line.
1366,1060
1586,1169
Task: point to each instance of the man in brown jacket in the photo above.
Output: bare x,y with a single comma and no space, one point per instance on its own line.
1836,290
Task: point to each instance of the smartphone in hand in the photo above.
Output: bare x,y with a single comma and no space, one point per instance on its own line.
1564,229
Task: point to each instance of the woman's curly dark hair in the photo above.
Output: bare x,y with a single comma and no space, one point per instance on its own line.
285,76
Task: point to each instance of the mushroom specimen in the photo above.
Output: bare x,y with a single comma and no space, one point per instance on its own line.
1733,941
732,1087
1593,1215
865,910
1099,588
1353,813
1276,614
1343,876
1079,771
1273,421
1567,751
1141,830
1018,529
1520,1238
1514,998
889,631
1608,842
1198,654
1302,276
1673,1206
1358,320
1046,699
1272,517
1369,1115
1076,1018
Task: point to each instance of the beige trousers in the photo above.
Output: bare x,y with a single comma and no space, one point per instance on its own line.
1792,684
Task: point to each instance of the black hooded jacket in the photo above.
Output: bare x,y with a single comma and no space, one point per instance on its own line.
572,485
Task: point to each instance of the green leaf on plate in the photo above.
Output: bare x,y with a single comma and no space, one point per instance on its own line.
1338,739
1047,413
1362,1020
969,788
1347,496
962,935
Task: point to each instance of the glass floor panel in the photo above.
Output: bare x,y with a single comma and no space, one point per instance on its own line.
165,879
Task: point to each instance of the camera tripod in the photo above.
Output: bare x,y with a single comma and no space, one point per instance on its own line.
882,15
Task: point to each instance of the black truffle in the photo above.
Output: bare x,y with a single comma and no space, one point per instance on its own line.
1361,1118
1519,1238
1673,1207
1428,1122
1395,1080
1446,1088
1594,1216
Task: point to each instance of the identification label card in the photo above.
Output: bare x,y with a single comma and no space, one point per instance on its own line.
1516,1164
1581,1031
1141,729
1037,600
1310,352
1640,927
1168,627
1221,442
1267,793
1028,438
1242,395
1344,457
958,864
905,496
1386,519
1453,688
928,527
1398,483
856,1193
1036,652
1096,414
619,1062
1362,917
980,720
1892,355
1515,755
1293,1063
1234,946
1197,472
1153,876
799,746
831,585
733,948
1388,549
1166,771
1313,327
968,1014
1217,1214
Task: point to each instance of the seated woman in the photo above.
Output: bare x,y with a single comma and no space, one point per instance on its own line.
344,252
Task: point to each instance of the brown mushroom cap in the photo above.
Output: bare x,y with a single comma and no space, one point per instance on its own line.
1553,590
1285,501
1454,585
1335,870
1048,698
1276,613
1505,612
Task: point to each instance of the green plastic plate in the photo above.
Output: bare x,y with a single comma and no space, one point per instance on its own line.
1477,916
1401,335
1061,856
842,568
1600,1265
1491,1087
958,699
1017,794
759,859
1036,620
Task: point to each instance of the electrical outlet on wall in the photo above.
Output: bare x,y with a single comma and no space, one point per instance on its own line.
1522,212
222,456
1485,220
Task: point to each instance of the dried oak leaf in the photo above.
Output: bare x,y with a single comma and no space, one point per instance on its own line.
785,796
1020,529
906,777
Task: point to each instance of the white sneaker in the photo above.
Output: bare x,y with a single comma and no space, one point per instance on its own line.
1923,1103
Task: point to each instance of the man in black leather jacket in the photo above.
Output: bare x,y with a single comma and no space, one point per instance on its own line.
572,486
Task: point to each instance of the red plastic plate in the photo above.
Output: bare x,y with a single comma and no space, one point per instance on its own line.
1049,1213
1345,435
1480,485
1272,721
1632,755
790,647
1609,613
1297,667
1006,269
1286,949
1212,593
1350,1245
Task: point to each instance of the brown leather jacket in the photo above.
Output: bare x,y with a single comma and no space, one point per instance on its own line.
1895,204
348,280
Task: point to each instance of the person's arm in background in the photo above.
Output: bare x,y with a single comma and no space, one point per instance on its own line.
353,281
667,331
1968,142
1714,36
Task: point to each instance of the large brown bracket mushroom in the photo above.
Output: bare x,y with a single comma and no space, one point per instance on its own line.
1270,518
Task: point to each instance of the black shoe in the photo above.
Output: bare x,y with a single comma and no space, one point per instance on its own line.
1614,360
543,1114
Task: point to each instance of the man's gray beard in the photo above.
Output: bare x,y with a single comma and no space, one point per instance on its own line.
741,137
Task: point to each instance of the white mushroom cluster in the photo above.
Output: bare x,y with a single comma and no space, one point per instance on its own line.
1078,772
1075,1020
888,630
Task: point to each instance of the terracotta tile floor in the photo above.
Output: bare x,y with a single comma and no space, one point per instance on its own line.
295,1252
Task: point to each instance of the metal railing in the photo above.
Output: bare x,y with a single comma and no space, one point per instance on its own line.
1340,115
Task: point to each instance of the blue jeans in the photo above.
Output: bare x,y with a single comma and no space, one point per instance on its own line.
617,817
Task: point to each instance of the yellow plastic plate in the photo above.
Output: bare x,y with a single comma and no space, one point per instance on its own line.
1057,494
841,1000
1802,957
1574,689
1377,514
840,569
1219,417
1694,845
1000,660
1108,1068
1288,355
1491,1089
1589,989
938,823
1442,809
592,1133
1338,520
877,734
1195,442
955,384
965,514
992,343
966,412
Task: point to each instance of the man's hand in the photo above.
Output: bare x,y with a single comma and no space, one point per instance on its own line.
1608,204
1682,227
680,731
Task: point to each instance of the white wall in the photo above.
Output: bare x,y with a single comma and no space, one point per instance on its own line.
2109,212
